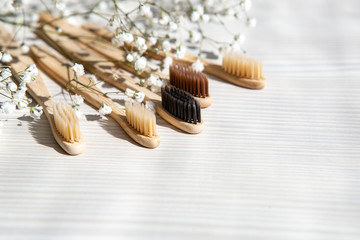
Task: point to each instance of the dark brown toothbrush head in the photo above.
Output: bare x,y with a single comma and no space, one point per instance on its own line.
190,80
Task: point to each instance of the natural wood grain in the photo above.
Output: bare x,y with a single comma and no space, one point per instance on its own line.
38,91
100,66
59,70
209,67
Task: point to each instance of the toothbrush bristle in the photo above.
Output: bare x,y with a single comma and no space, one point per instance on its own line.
181,104
242,66
141,118
190,80
66,122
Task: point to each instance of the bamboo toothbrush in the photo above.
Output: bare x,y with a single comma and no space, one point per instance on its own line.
100,66
141,127
63,122
236,68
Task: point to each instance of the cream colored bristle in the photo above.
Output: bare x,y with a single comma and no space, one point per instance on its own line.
66,122
242,66
141,118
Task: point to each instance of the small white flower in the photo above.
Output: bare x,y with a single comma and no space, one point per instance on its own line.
251,22
8,107
173,26
139,96
166,45
200,9
150,105
164,20
151,80
26,77
18,96
140,44
78,69
195,16
60,5
152,41
22,104
5,73
77,99
24,48
167,62
33,71
11,86
198,66
129,92
6,58
195,36
77,111
36,112
245,5
205,18
140,64
129,57
59,29
180,52
145,11
1,55
104,109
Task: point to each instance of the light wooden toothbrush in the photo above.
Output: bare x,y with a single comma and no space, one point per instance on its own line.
110,52
236,68
141,126
63,122
100,66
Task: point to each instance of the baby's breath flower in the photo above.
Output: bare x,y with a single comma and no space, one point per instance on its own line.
77,99
140,44
59,29
12,87
195,16
6,57
152,41
195,36
129,92
167,62
145,11
251,22
5,73
8,107
33,71
104,110
140,64
130,57
180,52
139,96
173,26
60,5
245,5
24,48
78,69
166,45
164,20
198,66
36,112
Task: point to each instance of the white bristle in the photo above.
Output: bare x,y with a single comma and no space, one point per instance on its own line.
66,122
141,118
242,66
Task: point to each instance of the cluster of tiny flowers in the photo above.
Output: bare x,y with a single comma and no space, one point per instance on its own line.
161,27
16,94
104,109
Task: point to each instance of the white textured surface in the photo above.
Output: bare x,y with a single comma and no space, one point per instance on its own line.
280,163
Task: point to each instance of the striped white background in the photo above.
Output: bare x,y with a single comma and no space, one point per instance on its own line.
280,163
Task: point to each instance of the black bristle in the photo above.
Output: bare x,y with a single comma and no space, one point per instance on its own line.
181,104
